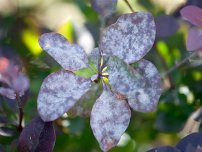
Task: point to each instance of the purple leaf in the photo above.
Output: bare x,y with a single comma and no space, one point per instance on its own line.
59,92
163,26
130,38
20,83
192,14
165,149
70,56
194,39
104,7
193,140
37,136
84,105
109,119
141,86
9,93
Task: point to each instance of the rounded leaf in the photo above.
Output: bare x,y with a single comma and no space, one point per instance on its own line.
37,136
194,39
163,28
84,105
59,92
193,140
109,119
104,7
192,14
164,149
70,56
130,38
7,92
141,85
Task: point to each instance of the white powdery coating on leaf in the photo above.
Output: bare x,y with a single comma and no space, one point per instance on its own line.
84,105
109,119
146,98
142,85
70,56
93,57
59,92
130,38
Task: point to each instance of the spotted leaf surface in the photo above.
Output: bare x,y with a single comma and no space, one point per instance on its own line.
141,85
59,92
37,136
192,14
194,39
104,7
109,119
70,56
84,105
93,57
130,38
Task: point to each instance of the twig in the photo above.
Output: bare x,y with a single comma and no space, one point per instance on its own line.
20,112
128,4
180,64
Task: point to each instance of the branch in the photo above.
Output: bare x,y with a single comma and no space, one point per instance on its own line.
128,4
20,112
178,65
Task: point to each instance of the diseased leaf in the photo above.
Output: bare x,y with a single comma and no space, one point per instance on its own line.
84,105
59,92
130,38
163,28
93,57
194,39
7,92
193,140
192,14
165,149
104,7
109,119
141,86
70,56
37,136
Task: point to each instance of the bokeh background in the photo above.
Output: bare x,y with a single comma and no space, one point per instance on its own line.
23,21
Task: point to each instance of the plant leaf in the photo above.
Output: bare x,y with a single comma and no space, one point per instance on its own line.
141,86
194,39
104,7
84,105
109,119
70,56
192,14
7,92
163,28
59,92
130,38
37,136
193,140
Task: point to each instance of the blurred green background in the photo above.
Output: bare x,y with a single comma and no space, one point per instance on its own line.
23,21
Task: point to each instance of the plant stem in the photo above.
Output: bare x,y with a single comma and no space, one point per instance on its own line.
128,4
180,64
21,113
